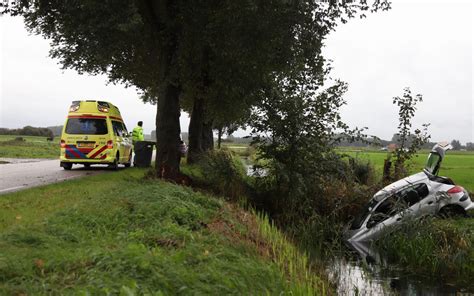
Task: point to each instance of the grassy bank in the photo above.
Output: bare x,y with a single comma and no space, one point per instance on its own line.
118,233
435,248
28,147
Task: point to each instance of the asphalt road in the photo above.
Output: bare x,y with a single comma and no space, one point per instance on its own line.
18,174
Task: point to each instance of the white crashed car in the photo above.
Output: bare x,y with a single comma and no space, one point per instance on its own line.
418,195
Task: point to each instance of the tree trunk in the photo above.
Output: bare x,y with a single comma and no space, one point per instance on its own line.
207,136
168,129
219,137
163,39
195,131
386,171
200,132
167,133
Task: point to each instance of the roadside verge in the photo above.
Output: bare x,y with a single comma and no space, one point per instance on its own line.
118,233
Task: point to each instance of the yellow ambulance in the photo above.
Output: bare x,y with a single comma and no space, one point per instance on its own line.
94,133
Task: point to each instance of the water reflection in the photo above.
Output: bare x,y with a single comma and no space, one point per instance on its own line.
252,170
363,271
358,272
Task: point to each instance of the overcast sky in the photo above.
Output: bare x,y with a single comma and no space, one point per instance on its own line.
426,45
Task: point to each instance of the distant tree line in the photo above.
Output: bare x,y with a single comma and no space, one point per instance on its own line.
28,131
458,146
57,130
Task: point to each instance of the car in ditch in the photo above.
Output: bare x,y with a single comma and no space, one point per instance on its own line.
418,195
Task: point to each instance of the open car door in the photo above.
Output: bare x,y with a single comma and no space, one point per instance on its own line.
436,157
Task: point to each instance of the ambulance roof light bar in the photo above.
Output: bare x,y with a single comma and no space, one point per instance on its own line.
103,106
74,106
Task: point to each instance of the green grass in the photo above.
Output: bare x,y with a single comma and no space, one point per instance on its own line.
31,147
434,248
121,234
457,165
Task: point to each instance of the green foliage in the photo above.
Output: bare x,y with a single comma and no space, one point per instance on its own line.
120,234
220,171
295,130
408,143
288,257
433,247
364,172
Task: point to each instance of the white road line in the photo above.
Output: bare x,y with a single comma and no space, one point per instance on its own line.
11,188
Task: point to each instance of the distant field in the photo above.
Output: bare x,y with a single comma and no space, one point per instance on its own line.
458,165
31,147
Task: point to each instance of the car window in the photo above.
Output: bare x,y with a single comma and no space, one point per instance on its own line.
423,190
414,194
387,208
398,202
411,197
86,126
357,222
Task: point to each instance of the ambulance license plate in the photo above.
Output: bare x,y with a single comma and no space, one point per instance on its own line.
85,144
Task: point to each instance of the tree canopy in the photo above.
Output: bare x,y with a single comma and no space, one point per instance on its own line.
212,58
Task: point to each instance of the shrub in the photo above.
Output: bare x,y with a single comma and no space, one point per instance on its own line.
363,171
221,172
313,208
432,246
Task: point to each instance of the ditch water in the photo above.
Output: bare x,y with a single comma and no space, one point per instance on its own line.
362,271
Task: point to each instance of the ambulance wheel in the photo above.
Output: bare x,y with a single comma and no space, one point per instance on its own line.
114,165
129,162
87,166
67,166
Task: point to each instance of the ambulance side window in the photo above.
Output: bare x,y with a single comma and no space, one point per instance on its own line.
118,130
124,129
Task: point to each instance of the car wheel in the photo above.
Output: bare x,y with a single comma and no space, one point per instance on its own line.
67,166
451,211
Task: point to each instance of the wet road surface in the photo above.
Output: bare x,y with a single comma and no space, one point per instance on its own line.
18,174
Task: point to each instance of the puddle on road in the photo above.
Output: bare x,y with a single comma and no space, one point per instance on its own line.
19,160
